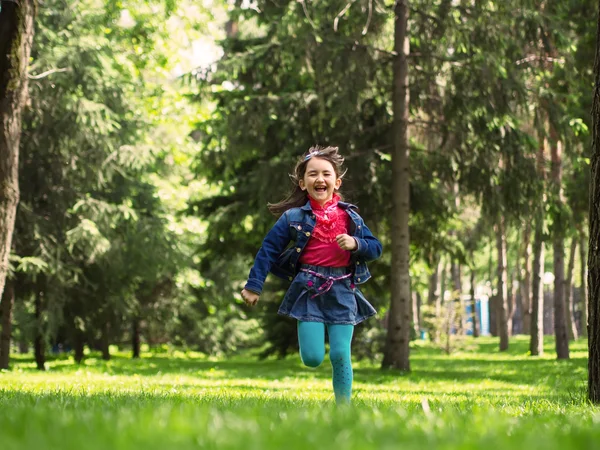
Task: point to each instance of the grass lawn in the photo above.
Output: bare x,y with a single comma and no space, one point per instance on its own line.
475,399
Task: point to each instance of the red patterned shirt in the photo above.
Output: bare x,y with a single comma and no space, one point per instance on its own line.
322,248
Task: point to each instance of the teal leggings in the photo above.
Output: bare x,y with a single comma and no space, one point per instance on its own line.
311,336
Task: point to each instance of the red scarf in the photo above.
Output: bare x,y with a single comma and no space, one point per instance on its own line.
331,219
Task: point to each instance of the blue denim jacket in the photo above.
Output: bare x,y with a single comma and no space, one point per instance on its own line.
296,226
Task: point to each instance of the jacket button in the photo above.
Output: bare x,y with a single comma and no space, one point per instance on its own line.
290,278
312,217
299,227
298,249
359,227
357,263
307,233
358,279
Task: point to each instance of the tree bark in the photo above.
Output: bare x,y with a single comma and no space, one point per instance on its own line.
78,346
457,296
526,281
6,306
39,346
434,297
584,280
536,344
502,300
571,324
439,303
474,306
558,244
512,299
493,298
16,37
594,238
135,338
434,286
105,342
396,354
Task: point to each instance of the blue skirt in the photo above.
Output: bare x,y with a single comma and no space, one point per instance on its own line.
342,304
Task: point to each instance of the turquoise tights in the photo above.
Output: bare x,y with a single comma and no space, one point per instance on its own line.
311,336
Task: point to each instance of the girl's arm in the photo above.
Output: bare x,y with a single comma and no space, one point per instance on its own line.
369,247
273,245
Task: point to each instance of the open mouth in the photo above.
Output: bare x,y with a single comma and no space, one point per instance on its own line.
321,189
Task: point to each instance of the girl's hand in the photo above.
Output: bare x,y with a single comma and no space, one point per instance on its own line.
251,298
346,242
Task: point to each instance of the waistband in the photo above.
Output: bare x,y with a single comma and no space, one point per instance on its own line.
327,271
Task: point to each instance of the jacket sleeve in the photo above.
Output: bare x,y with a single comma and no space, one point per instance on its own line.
273,245
368,247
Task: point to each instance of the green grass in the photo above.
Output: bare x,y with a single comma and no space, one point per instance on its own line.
476,399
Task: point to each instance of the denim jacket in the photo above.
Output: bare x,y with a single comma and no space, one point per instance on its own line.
295,226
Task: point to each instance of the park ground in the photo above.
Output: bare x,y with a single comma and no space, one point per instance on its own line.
476,398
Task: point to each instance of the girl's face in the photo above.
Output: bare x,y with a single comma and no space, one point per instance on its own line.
320,180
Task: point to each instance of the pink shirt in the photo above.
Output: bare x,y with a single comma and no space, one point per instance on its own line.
322,248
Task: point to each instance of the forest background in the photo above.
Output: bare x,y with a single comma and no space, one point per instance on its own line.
154,134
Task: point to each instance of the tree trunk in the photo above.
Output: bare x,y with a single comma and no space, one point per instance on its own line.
437,335
16,36
512,300
449,324
78,345
526,281
558,244
457,296
474,306
39,346
135,338
433,297
584,280
396,354
594,238
571,324
493,298
434,287
502,300
104,342
536,346
419,305
6,306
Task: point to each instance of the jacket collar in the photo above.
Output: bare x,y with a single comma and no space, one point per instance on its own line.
342,205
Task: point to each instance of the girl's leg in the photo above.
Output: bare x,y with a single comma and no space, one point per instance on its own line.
340,339
311,336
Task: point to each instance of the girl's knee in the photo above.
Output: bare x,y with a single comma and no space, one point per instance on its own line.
337,355
312,358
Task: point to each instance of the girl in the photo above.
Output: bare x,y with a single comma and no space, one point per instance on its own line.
328,258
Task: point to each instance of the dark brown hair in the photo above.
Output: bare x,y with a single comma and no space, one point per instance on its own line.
297,197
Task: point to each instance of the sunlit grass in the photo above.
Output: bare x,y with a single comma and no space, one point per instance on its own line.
473,399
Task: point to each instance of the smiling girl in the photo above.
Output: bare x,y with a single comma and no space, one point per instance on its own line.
328,259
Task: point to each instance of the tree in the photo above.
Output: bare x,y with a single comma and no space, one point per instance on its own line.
16,37
558,244
536,343
396,354
6,310
594,238
502,296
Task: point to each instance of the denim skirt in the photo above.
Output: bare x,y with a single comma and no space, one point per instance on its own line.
309,300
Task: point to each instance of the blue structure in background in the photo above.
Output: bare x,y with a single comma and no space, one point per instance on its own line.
482,308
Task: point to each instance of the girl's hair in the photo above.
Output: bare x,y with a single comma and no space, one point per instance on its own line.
297,197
